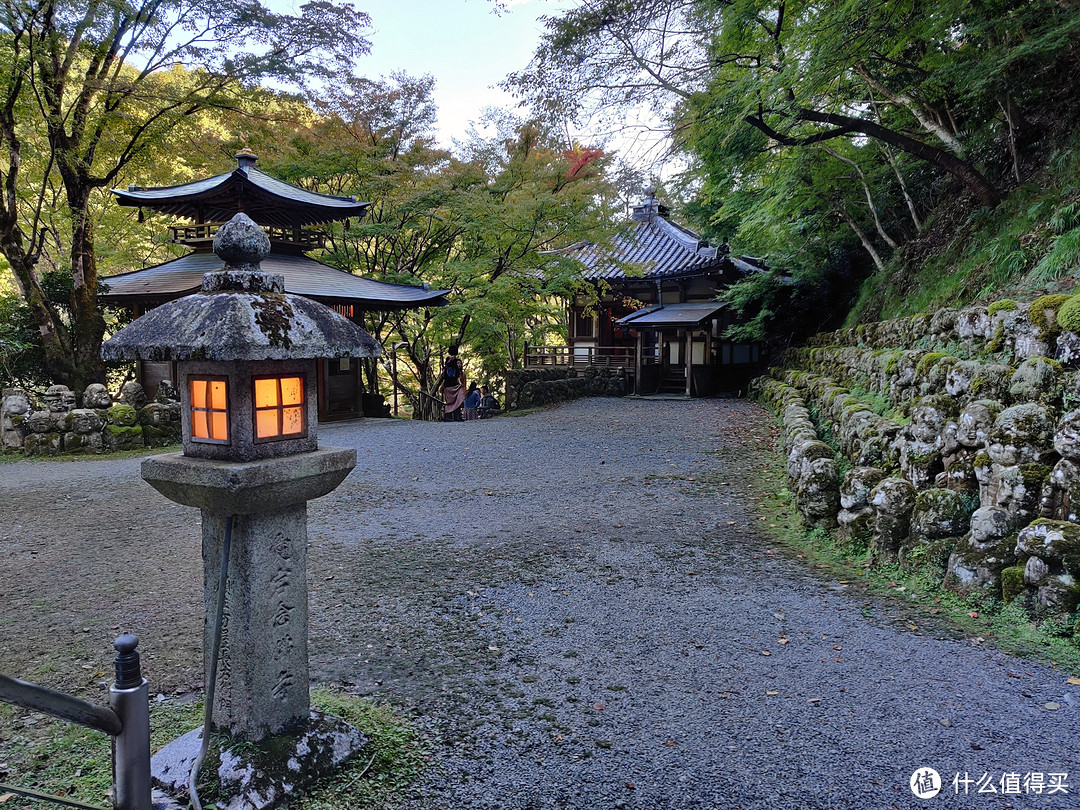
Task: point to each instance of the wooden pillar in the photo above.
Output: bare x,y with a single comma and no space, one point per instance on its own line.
637,364
688,346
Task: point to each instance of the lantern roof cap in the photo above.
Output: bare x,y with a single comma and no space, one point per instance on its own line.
241,313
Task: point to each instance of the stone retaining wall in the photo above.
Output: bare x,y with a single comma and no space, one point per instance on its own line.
532,387
56,427
951,439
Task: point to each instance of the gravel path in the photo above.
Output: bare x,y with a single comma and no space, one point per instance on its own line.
577,608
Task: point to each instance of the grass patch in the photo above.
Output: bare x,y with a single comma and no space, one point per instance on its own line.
393,759
13,458
66,760
921,602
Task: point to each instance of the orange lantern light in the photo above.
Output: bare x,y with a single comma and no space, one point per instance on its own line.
279,408
209,397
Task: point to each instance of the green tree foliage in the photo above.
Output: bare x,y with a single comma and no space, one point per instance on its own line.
89,89
478,224
820,129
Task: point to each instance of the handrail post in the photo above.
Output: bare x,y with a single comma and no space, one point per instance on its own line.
129,697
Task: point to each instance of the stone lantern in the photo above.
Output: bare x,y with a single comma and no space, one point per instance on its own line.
246,364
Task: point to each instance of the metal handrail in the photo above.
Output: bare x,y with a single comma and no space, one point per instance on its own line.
41,699
127,721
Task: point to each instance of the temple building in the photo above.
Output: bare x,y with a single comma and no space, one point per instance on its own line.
656,312
290,216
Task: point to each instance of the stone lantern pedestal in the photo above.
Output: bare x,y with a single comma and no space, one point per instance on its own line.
262,686
246,361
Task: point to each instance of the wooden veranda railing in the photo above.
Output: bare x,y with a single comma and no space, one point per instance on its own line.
580,356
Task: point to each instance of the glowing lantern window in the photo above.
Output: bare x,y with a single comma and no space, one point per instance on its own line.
279,408
209,409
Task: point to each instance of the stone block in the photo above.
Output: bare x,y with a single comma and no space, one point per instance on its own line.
43,444
893,501
43,422
97,397
123,437
132,393
1056,542
83,443
83,420
939,513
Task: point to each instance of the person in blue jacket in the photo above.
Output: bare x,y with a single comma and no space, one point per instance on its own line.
472,402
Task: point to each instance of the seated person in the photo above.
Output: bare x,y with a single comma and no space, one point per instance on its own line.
489,406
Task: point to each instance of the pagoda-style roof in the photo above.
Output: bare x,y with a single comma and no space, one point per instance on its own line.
653,247
303,276
267,200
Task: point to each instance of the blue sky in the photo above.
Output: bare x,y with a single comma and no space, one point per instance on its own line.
464,44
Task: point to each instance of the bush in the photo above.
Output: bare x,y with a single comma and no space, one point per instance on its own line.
1068,315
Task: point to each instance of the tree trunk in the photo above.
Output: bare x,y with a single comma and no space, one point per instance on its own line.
925,119
845,125
859,232
904,189
87,323
869,196
55,339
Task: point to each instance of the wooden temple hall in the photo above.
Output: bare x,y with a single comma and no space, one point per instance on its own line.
658,317
290,216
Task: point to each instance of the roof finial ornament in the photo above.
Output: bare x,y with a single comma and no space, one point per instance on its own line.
246,159
242,245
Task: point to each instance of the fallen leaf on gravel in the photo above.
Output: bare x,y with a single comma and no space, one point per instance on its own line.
783,640
813,700
837,647
493,649
766,652
599,706
670,743
1012,674
912,627
976,747
1073,681
772,692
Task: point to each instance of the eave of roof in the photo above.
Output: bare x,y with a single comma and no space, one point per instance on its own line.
303,276
264,198
672,315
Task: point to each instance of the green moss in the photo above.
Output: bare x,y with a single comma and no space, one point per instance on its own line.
997,342
1068,315
1012,583
1037,314
892,365
981,460
1004,305
125,415
928,361
1034,475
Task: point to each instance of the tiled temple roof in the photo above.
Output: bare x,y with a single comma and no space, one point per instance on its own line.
303,276
654,247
